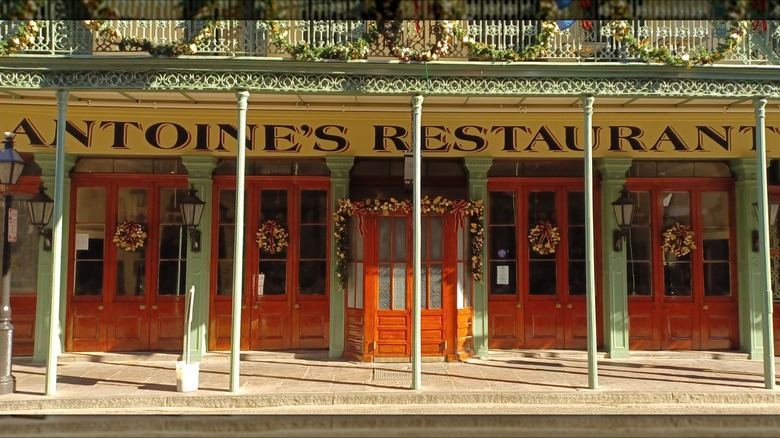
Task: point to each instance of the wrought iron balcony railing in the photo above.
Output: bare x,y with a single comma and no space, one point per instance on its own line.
580,40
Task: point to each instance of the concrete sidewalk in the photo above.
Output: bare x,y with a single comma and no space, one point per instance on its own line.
89,382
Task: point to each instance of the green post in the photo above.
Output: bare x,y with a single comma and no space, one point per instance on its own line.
47,162
749,276
200,170
614,295
477,169
339,189
759,105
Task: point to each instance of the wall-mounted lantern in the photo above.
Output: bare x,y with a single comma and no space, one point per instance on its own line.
191,211
623,207
40,208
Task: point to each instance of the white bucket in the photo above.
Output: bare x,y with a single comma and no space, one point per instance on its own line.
187,376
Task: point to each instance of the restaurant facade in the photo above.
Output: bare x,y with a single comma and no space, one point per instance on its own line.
327,250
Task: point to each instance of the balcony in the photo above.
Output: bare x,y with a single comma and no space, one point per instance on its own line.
573,41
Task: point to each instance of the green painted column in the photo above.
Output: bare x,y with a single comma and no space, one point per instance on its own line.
614,295
200,170
749,276
477,169
45,261
339,189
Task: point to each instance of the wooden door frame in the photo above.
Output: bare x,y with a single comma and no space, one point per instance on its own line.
112,183
293,185
522,186
694,186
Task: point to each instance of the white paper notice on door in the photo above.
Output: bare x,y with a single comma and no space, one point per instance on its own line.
82,241
502,274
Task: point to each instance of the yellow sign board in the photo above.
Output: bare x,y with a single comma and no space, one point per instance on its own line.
167,132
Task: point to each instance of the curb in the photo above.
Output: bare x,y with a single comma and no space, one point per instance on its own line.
238,401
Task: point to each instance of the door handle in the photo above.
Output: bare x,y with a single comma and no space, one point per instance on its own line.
243,306
568,306
255,306
142,306
519,305
557,305
100,307
297,306
705,307
154,306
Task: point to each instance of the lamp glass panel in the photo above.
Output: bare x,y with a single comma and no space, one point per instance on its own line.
35,210
197,213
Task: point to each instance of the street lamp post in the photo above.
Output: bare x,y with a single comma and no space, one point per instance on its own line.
11,167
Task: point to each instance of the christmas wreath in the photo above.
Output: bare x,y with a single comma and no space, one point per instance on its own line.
678,240
544,238
272,237
129,236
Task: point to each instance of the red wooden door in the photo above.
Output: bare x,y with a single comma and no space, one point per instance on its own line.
536,296
774,246
285,299
682,301
126,298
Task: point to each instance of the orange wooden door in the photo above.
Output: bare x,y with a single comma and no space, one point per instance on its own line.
394,280
682,301
285,299
123,299
536,297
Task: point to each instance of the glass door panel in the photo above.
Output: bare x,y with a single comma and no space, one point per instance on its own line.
676,208
130,263
575,232
639,244
502,248
542,268
273,207
716,243
90,231
313,242
172,260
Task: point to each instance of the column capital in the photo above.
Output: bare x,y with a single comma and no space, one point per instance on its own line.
200,167
48,162
744,169
613,168
339,166
477,167
417,101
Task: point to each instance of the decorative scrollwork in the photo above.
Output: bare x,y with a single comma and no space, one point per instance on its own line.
390,84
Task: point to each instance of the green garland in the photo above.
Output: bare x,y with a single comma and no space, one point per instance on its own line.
446,32
21,37
25,33
483,51
189,46
474,210
304,51
621,31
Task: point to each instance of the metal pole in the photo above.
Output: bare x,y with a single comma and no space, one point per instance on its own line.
7,380
590,269
56,248
416,227
763,230
238,252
